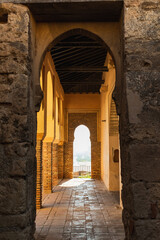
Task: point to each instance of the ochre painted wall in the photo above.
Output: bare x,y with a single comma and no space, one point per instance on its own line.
82,101
113,166
109,169
48,125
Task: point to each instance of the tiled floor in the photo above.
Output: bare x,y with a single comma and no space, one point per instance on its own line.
80,209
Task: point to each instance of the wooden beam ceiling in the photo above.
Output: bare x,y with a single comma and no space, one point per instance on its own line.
79,62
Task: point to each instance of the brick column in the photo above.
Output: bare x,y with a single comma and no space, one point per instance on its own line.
60,161
68,163
39,174
47,167
95,160
54,164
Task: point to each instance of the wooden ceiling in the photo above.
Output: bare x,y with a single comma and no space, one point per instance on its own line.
79,62
74,11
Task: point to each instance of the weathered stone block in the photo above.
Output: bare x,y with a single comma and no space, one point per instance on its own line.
5,94
31,196
145,164
12,196
17,126
17,234
140,200
16,29
15,221
146,229
12,161
153,191
140,143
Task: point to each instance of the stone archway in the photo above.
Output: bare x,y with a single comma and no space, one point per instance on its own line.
108,35
90,120
21,96
82,152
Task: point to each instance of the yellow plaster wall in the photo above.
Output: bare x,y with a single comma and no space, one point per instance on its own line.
49,108
48,125
113,166
104,138
40,114
82,101
109,169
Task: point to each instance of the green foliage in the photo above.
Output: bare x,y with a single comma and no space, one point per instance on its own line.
83,157
85,176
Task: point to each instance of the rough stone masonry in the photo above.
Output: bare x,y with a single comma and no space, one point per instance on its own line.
17,125
140,135
139,122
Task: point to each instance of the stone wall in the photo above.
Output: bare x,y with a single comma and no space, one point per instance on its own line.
139,127
89,120
138,107
17,125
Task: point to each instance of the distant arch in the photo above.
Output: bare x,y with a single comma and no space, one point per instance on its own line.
82,127
82,152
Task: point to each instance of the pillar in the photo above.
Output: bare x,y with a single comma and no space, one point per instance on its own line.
95,160
47,167
60,161
105,134
54,164
68,162
39,174
17,126
140,124
40,134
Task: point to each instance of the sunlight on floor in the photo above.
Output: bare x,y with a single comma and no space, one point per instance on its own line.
75,182
79,209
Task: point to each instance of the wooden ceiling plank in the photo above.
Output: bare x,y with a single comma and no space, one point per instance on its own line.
83,69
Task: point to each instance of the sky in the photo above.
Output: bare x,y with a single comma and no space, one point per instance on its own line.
82,141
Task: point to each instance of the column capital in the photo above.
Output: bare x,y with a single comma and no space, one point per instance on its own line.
104,88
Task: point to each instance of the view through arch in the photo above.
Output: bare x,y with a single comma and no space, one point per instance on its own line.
82,152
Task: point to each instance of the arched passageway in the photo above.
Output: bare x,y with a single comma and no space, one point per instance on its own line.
135,49
79,80
77,61
82,152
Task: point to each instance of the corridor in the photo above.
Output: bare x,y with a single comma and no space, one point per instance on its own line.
80,209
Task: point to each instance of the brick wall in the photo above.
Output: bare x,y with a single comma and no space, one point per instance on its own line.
90,121
39,174
54,164
60,161
47,166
